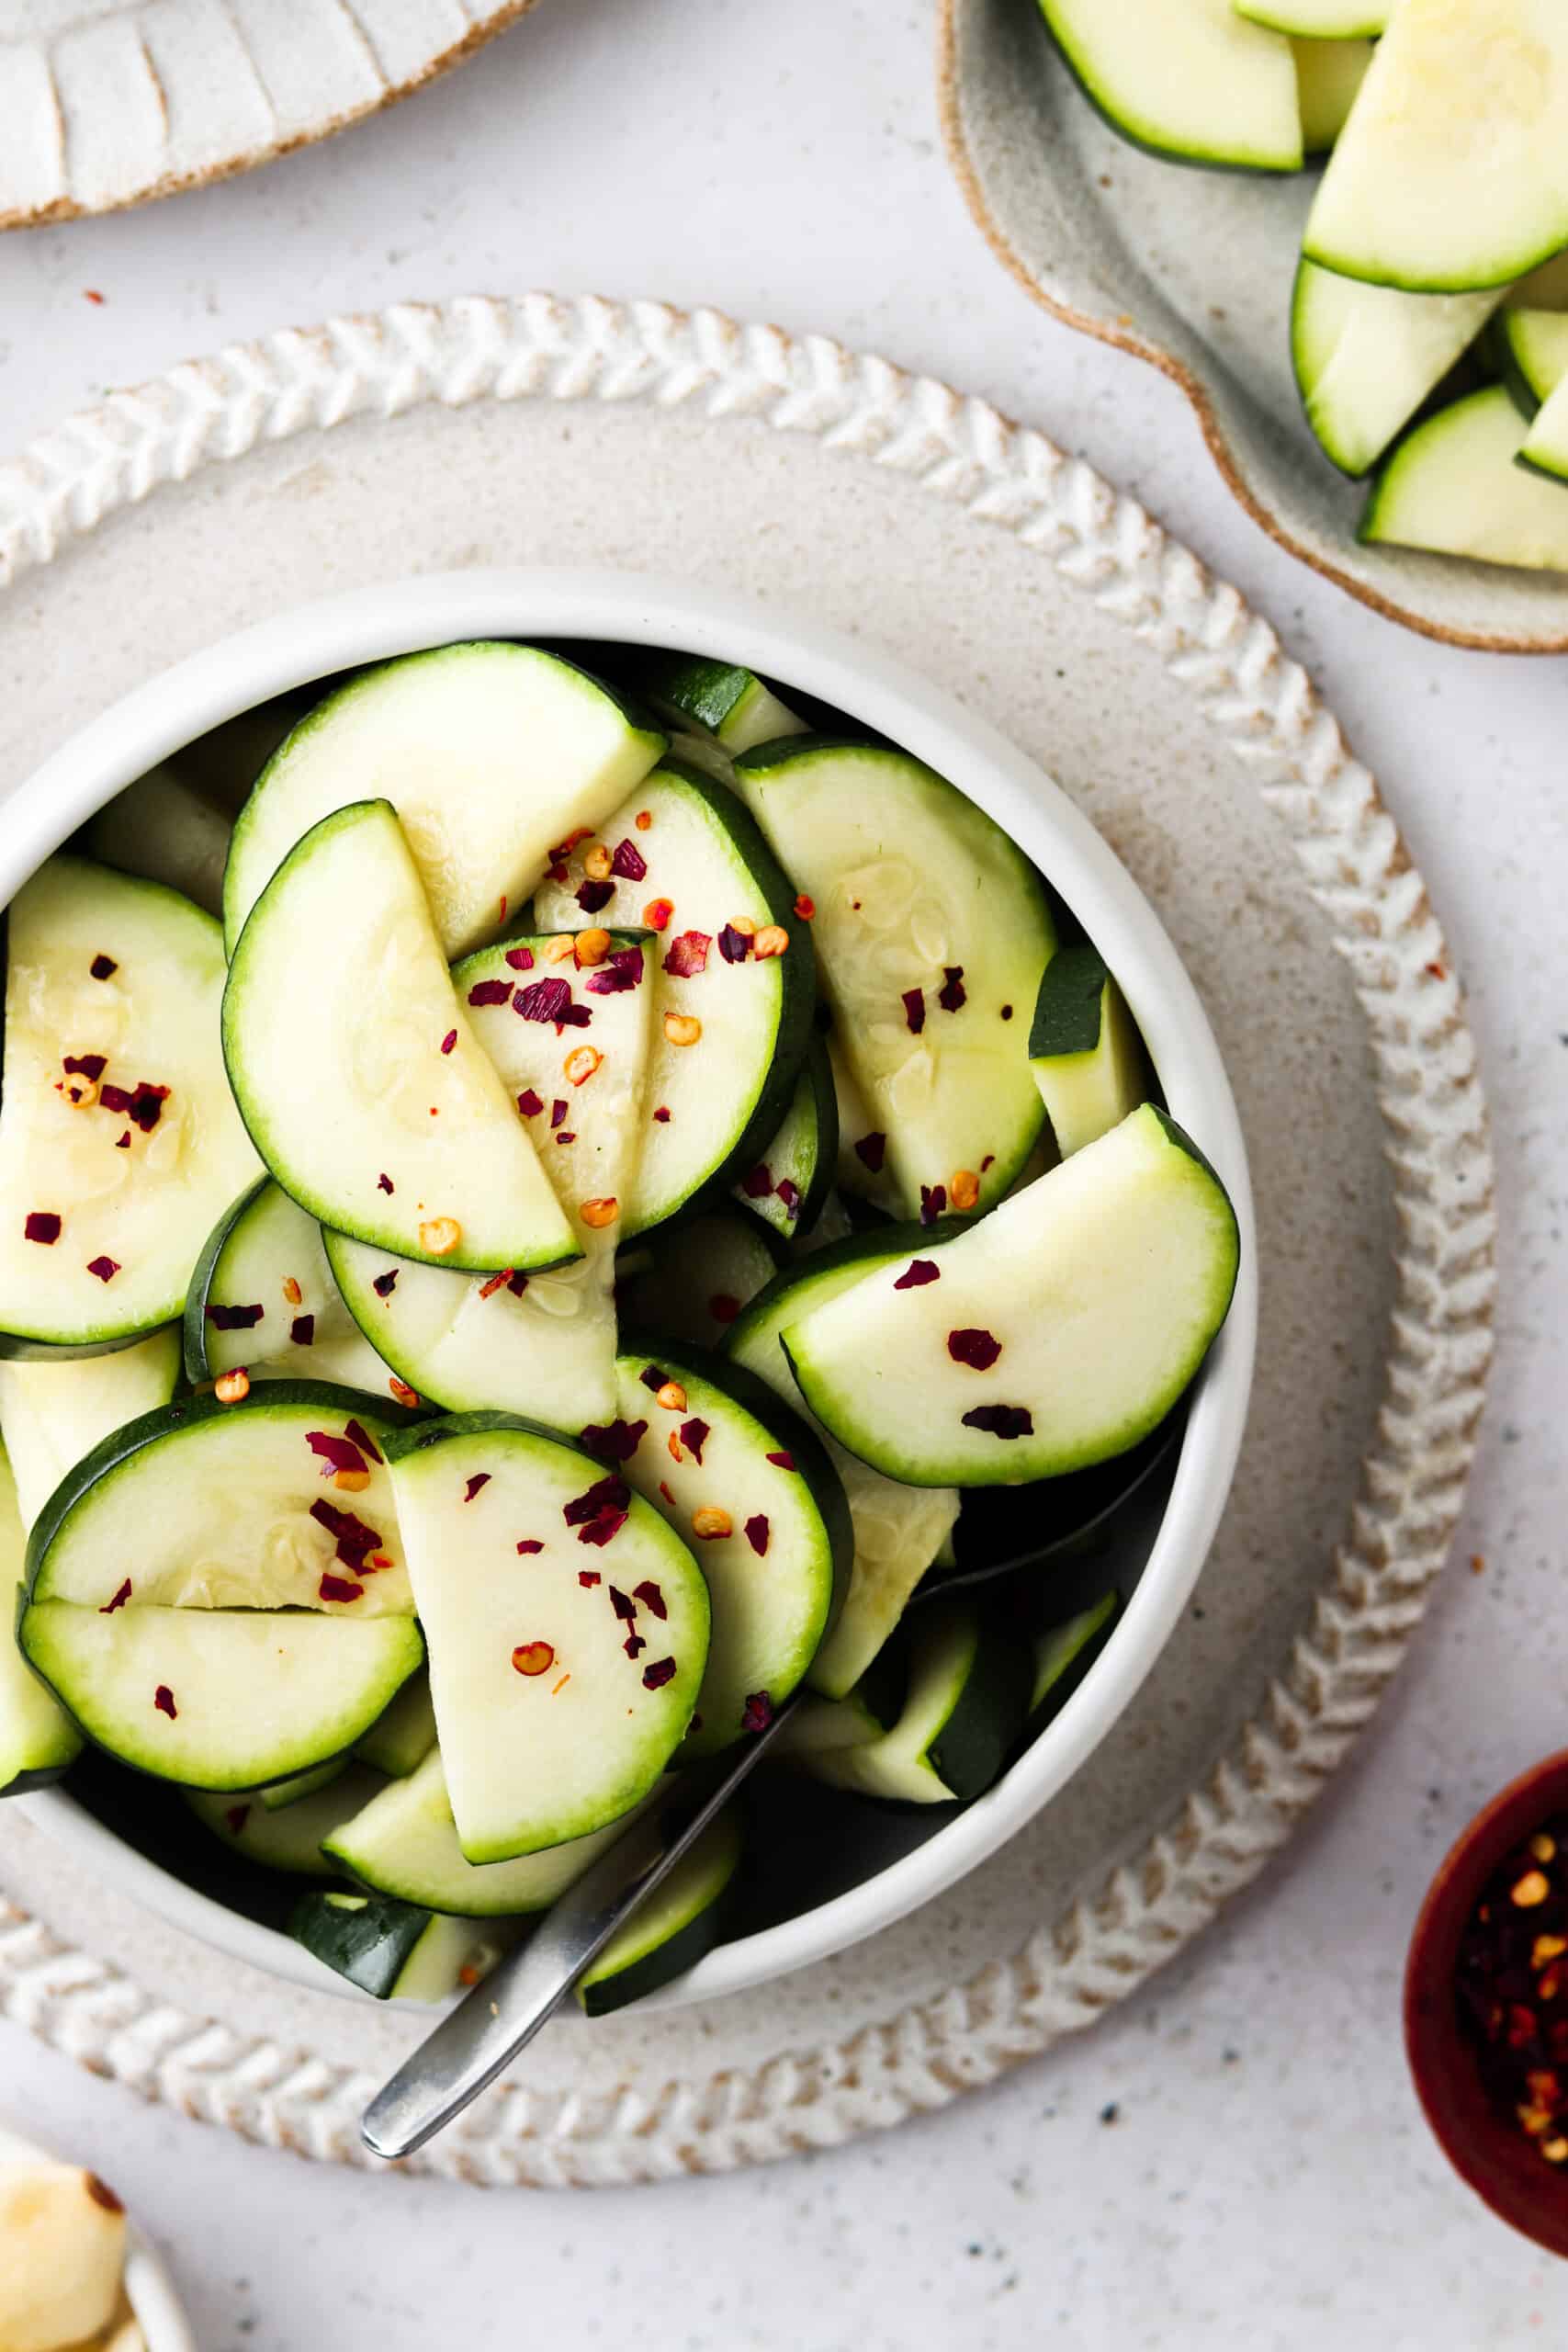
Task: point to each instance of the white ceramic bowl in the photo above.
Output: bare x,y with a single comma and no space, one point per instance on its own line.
371,623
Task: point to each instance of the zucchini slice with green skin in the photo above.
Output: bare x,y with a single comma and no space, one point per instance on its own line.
1452,173
404,1843
868,1712
1186,79
690,1280
731,704
1084,1049
286,1837
568,1629
397,1951
1328,75
898,1530
1531,350
278,1796
1452,486
110,1172
1545,449
357,1069
673,1929
730,1028
37,1739
1365,356
55,1414
263,1296
931,930
1319,20
790,1182
862,1173
750,1487
399,1741
490,752
1054,1334
1064,1655
967,1698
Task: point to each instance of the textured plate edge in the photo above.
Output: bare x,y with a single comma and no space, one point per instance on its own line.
1058,305
1215,1842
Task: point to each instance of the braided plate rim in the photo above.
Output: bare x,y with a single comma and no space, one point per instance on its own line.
1355,1634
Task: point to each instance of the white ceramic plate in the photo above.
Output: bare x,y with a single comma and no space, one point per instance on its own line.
784,471
1191,271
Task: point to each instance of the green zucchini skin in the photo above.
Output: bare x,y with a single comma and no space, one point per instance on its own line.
972,1749
1078,1645
194,1328
368,1939
676,1958
696,1901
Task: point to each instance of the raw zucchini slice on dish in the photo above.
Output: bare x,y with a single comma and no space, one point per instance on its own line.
1545,449
689,1281
37,1739
404,1844
731,704
399,1741
1319,20
862,1173
1064,1655
1452,486
1084,1049
867,1711
397,1951
791,1179
1531,350
1365,356
898,1530
52,1414
932,930
742,1480
1054,1334
734,987
279,1796
1328,75
357,1069
568,1629
286,1837
263,1296
966,1701
490,753
1452,172
118,1141
675,1928
1189,79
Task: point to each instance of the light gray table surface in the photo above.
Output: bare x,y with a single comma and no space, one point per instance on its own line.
1233,2158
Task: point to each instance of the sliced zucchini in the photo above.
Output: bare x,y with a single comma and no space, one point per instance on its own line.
37,1739
357,1069
1185,78
1328,21
404,1843
1328,75
395,1951
278,1796
790,1182
966,1703
263,1296
568,1629
1365,356
730,1027
1452,173
288,1838
679,1923
166,829
217,1698
932,930
110,1171
1064,1655
731,704
742,1480
862,1173
1085,1050
898,1530
1453,487
689,1281
490,753
1054,1334
54,1414
1531,347
865,1713
1545,449
399,1741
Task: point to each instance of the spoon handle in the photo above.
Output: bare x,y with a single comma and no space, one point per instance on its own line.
499,2018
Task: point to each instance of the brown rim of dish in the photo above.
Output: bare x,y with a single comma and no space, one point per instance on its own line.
1126,339
66,208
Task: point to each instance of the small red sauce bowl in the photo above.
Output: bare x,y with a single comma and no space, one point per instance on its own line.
1486,2149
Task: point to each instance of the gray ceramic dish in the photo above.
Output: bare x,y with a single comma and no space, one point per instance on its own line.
1192,270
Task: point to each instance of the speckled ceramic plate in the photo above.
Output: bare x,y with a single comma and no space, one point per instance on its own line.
108,101
586,432
1192,270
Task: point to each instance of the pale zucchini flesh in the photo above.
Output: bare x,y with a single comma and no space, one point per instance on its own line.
1188,79
266,1253
399,1741
690,1280
284,1837
37,1739
1329,74
796,1171
1365,356
732,703
1533,347
53,1415
1319,20
673,1929
1085,1050
1545,449
964,1709
1453,487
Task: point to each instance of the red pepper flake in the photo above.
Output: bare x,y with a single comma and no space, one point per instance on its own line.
657,913
144,1104
624,1605
121,1597
652,1599
628,862
661,1117
989,1161
521,960
531,1543
618,972
234,1318
656,1675
557,872
933,1203
533,1658
757,1534
106,1269
588,1577
688,955
805,908
917,1272
385,1284
302,1331
611,1440
789,1194
356,1432
781,1461
951,996
759,1184
481,1478
164,1700
652,1378
557,1110
236,1817
91,294
592,896
88,1065
723,1306
449,1040
122,1143
496,1282
694,1435
872,1150
979,1349
914,1011
543,1000
733,945
758,1712
339,1589
664,1490
337,1452
517,1283
103,967
530,1103
1007,1013
489,992
1001,1421
355,1540
603,1530
383,1183
564,849
600,1512
41,1225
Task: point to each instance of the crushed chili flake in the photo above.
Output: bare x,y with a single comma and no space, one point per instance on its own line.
517,1283
643,820
481,1478
103,967
490,992
1001,1421
557,1110
542,1001
723,1306
619,971
521,960
789,1194
624,1605
383,1184
733,945
589,1578
121,1598
933,1201
628,862
530,1544
41,1225
657,913
979,1349
757,1534
567,1135
385,1284
634,1644
236,1817
1508,1985
302,1331
164,1700
688,955
449,1040
805,907
88,1065
661,1117
664,1490
759,1184
781,1461
496,1282
339,1589
530,1103
1007,1013
694,1435
533,1658
356,1432
951,996
989,1161
235,1318
611,1440
656,1675
122,1143
872,1150
600,1512
758,1712
337,1452
652,1599
652,1378
355,1540
914,1002
917,1272
592,895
